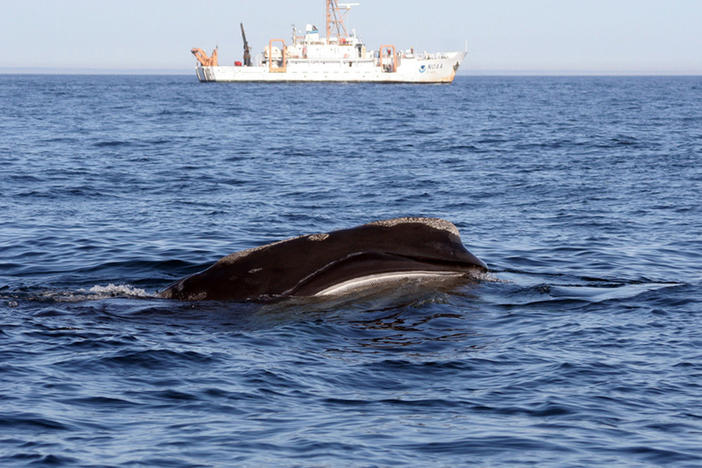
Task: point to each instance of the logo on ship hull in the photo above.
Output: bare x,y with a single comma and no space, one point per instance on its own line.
422,69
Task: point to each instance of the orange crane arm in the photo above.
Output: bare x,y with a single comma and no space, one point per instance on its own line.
213,60
204,60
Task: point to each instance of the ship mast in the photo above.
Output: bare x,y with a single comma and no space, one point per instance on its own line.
336,13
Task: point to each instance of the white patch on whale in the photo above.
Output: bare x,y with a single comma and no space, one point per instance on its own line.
380,280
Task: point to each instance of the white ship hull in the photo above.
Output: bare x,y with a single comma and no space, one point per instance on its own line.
435,68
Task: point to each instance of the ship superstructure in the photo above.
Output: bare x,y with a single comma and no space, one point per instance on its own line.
340,56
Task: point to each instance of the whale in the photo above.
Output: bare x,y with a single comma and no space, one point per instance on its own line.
379,254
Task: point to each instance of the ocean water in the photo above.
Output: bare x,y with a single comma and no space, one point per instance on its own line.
582,194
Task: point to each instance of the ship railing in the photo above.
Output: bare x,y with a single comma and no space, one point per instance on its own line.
434,56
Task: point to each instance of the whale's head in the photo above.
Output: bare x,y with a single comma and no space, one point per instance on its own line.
338,262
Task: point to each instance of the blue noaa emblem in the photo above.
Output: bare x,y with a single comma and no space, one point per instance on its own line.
422,69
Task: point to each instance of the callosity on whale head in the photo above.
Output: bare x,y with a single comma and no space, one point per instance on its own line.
335,263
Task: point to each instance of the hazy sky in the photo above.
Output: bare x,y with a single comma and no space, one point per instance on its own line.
553,36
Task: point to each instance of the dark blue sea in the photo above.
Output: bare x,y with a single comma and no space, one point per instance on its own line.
583,347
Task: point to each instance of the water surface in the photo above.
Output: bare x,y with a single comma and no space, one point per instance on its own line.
582,195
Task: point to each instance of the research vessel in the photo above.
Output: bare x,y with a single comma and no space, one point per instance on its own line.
340,56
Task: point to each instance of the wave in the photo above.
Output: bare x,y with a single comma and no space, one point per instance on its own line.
115,290
93,293
111,143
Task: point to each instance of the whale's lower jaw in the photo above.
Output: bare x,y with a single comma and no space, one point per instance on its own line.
383,280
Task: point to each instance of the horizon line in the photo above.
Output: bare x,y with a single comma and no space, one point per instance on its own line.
473,72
